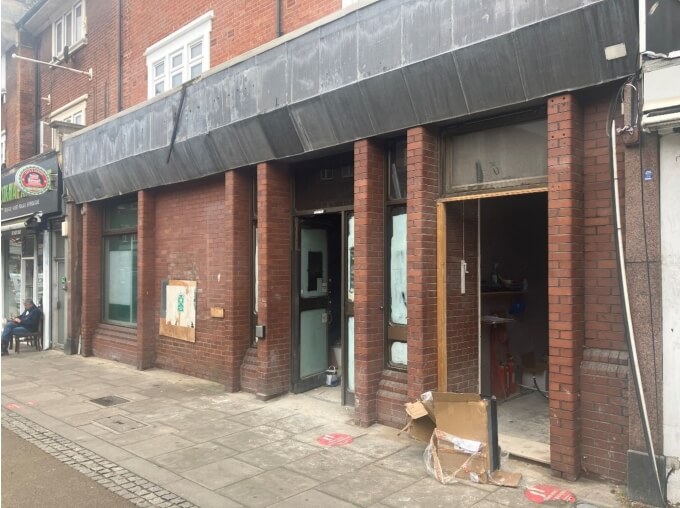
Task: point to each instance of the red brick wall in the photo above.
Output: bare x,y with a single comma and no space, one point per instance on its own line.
462,323
92,274
237,26
604,371
147,324
19,112
190,244
237,278
100,54
423,185
274,246
369,212
565,280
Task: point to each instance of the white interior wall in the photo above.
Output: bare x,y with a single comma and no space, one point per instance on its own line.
670,288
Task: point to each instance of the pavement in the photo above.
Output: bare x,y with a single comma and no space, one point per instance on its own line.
170,440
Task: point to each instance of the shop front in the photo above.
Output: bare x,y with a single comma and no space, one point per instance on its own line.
33,246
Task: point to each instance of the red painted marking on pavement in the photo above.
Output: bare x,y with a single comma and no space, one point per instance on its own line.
542,493
334,439
12,405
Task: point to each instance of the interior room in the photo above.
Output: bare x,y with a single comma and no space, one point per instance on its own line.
514,319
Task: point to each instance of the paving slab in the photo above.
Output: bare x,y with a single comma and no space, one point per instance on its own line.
277,454
193,457
367,485
408,461
268,488
329,463
221,473
313,499
201,496
431,494
267,414
212,429
253,438
150,471
378,447
158,445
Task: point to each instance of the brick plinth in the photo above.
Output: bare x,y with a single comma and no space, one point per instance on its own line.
565,281
237,311
274,242
92,275
423,181
369,348
146,281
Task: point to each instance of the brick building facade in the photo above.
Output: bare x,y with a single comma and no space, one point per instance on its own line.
229,174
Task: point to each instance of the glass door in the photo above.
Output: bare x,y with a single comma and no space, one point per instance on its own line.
59,291
313,314
348,350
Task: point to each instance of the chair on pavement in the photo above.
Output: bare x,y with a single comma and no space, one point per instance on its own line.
35,338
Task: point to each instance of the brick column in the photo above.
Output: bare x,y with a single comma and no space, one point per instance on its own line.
565,281
237,312
92,275
369,281
21,83
274,230
422,173
147,325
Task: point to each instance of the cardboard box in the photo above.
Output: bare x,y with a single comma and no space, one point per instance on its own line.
463,439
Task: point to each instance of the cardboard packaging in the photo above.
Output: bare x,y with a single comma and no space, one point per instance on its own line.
462,432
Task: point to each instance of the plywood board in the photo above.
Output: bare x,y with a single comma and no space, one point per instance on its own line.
179,321
442,381
525,449
494,194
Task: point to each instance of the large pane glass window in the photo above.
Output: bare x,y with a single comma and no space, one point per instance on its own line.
120,263
396,218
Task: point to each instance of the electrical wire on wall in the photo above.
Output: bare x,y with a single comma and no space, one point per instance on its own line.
630,335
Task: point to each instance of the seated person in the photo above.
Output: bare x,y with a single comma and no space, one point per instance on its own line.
25,324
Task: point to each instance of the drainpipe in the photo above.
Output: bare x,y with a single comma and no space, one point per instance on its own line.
120,55
278,18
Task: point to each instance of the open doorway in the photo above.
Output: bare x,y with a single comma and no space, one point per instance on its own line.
318,305
513,264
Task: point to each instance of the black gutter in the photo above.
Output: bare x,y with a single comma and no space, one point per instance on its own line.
278,18
38,93
29,14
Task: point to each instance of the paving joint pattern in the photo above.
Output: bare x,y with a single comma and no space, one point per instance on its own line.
113,477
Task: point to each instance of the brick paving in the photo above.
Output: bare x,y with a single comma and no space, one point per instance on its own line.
113,477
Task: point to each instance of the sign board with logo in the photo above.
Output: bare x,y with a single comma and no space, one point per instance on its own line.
179,320
32,187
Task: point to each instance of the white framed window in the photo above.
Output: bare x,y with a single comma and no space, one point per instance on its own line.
74,112
69,30
3,145
180,56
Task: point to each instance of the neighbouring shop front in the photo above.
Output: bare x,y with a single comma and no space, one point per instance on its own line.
34,247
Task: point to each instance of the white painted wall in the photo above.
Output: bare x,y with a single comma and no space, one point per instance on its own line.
670,287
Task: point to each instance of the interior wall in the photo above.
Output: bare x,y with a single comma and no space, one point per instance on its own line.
514,234
462,321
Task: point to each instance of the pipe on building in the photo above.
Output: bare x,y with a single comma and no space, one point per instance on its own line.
38,101
120,55
278,18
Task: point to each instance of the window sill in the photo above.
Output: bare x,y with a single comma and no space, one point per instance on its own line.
59,59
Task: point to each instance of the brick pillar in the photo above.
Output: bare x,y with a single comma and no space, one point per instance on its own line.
75,281
92,275
147,325
369,281
423,180
237,312
274,231
565,281
21,129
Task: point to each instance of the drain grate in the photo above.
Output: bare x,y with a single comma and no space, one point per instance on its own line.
109,400
120,423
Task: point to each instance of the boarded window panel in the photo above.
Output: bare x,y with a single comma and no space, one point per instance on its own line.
398,279
498,157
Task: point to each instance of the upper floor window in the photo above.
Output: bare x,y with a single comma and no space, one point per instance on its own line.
74,112
180,56
68,30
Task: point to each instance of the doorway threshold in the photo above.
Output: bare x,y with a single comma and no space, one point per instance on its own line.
525,448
